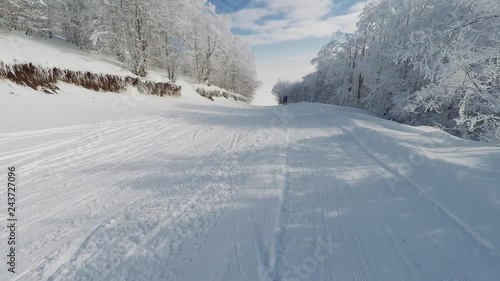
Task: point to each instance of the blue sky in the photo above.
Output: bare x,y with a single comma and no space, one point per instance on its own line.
286,34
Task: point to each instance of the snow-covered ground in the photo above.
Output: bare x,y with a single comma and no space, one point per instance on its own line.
127,187
19,48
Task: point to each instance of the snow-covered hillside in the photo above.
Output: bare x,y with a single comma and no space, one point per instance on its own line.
18,48
46,54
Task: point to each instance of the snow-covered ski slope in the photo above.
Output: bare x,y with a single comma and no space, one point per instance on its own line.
131,187
113,187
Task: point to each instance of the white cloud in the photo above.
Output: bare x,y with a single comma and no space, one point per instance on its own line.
299,9
299,19
358,7
247,17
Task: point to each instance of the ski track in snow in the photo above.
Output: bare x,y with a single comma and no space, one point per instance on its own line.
229,193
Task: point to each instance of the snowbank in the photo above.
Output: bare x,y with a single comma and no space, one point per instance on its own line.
40,63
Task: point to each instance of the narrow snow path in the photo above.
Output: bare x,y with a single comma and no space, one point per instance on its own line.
304,192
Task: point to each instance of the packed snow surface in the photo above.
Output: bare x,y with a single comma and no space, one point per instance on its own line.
127,187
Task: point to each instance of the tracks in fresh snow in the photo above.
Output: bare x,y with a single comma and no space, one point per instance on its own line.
339,194
219,193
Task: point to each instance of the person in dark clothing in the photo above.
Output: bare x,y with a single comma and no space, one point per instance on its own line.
285,100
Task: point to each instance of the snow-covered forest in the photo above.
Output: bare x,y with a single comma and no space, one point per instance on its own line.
419,62
127,152
181,37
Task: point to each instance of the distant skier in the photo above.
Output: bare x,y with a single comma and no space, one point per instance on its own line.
285,100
